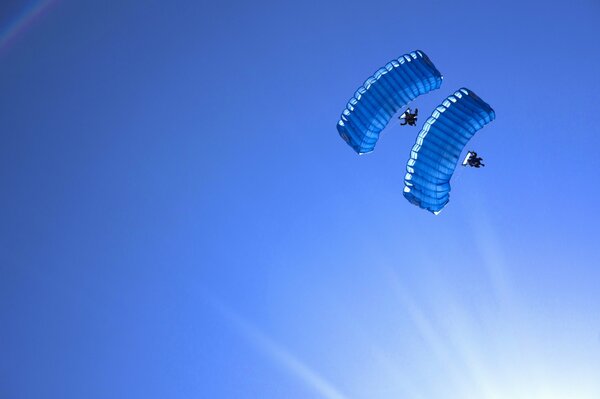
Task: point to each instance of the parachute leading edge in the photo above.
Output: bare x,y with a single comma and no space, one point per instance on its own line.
382,95
439,144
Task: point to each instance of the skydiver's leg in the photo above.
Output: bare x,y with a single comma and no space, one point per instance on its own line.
403,123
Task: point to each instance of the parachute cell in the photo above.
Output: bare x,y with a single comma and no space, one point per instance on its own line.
382,95
438,147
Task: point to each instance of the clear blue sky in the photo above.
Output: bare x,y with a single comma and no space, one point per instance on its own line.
180,219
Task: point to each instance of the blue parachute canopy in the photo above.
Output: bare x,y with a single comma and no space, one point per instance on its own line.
382,95
439,144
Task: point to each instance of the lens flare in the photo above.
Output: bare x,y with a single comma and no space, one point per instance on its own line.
12,27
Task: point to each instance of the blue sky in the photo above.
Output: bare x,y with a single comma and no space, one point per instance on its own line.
179,217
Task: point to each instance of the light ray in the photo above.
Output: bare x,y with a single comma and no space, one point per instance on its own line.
280,355
500,347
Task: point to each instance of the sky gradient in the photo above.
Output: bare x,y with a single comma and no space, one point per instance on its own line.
180,219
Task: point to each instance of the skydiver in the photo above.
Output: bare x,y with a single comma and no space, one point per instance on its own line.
474,160
409,118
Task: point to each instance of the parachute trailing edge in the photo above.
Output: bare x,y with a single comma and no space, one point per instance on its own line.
438,147
382,95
